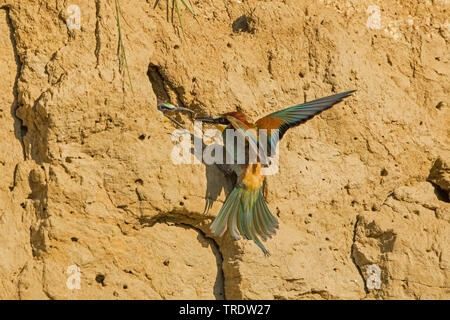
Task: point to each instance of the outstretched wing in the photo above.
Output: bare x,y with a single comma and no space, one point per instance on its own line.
279,122
250,135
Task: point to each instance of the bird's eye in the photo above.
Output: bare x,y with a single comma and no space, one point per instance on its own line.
222,120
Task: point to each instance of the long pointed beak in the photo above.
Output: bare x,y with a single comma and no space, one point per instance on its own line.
173,120
205,119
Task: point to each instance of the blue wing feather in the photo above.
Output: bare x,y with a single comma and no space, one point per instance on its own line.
295,115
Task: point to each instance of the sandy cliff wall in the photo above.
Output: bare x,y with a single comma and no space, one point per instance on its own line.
85,171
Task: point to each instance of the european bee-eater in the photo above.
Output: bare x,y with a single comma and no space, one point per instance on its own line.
245,211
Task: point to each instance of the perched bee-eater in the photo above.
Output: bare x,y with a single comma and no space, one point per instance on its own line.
245,211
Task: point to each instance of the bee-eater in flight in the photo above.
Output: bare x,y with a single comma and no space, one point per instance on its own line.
245,211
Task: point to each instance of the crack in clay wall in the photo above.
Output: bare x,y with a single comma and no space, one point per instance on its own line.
15,219
219,285
19,129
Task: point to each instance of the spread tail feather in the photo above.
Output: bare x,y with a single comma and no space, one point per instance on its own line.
246,213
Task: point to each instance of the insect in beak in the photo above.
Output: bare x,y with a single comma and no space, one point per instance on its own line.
167,107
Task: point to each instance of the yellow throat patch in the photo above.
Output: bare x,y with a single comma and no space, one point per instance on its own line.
220,127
